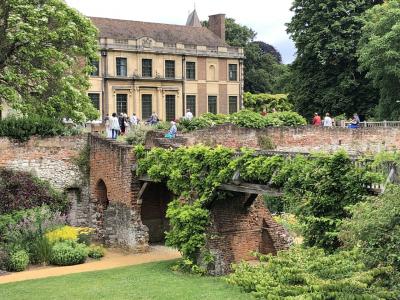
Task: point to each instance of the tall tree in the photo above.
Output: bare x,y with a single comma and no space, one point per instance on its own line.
325,75
45,53
379,55
269,49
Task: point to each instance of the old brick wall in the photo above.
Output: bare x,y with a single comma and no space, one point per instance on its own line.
300,139
237,230
52,159
117,222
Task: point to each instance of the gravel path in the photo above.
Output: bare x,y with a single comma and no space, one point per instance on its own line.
114,258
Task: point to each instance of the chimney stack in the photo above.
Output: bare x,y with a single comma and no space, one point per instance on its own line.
216,23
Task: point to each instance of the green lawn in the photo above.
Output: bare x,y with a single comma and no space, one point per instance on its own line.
147,281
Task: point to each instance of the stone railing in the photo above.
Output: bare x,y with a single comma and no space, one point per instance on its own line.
231,52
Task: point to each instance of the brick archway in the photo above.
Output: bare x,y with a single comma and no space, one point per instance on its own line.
101,203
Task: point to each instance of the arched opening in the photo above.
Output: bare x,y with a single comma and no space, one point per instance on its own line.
101,194
212,73
153,211
101,205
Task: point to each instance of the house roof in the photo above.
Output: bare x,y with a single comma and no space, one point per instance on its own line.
166,33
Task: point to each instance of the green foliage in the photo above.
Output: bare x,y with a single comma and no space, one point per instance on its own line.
285,118
249,119
259,102
45,53
96,252
83,160
22,128
18,261
310,274
40,250
318,189
379,56
68,253
188,223
325,75
374,227
137,134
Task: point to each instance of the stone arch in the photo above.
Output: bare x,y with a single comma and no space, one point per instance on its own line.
101,194
101,204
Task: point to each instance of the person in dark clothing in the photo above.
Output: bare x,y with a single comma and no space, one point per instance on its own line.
121,121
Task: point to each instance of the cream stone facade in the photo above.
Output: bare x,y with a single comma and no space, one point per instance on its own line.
167,69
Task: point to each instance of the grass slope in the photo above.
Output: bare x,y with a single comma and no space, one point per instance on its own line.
147,281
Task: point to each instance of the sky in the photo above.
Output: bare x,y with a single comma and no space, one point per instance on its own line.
266,17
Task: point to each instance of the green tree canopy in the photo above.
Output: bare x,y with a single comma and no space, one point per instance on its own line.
325,73
379,55
45,53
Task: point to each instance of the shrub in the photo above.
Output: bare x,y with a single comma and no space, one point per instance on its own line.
374,227
68,253
258,102
310,274
22,128
96,252
195,123
285,118
26,231
137,134
18,261
21,190
249,119
40,250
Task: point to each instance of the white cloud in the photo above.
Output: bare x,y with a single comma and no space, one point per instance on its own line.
266,17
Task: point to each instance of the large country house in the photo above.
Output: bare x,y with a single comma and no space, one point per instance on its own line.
150,67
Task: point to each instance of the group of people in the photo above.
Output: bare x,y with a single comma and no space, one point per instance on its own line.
328,121
121,125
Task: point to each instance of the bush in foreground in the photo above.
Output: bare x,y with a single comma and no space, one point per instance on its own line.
310,274
21,190
96,252
68,253
18,261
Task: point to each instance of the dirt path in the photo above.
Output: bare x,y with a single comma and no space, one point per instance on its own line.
113,259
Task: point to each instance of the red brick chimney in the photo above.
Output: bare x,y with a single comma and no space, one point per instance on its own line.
216,23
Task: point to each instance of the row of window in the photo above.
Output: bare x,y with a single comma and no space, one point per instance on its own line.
147,104
147,69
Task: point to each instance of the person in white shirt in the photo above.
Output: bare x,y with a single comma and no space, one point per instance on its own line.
188,115
134,119
115,128
328,121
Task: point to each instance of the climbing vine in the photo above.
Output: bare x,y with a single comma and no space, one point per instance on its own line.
318,188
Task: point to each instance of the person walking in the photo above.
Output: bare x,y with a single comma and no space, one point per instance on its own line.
114,123
328,121
121,121
107,125
153,120
316,120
